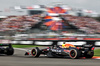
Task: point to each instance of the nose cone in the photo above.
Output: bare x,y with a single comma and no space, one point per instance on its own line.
27,53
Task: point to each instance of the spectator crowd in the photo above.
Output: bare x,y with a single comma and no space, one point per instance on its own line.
86,24
22,23
19,23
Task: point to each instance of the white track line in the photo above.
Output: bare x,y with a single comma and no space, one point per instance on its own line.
21,49
97,58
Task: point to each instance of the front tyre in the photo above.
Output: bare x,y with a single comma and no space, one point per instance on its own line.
74,54
35,52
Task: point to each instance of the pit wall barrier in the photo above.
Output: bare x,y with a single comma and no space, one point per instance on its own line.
51,42
96,43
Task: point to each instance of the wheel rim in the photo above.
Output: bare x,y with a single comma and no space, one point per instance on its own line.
72,53
33,52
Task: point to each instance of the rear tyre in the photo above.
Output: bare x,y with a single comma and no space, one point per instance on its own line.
10,51
89,54
35,52
74,54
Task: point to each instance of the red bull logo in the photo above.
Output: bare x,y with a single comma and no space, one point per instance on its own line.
67,45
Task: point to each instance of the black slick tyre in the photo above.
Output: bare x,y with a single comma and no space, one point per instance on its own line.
35,52
74,54
89,54
10,51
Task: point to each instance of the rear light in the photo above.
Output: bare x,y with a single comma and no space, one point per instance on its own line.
92,48
77,47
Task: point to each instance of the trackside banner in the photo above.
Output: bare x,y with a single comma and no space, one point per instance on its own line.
51,42
79,43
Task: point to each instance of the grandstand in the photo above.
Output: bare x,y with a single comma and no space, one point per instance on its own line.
36,22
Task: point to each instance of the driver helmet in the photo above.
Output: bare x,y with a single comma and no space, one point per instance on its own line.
63,45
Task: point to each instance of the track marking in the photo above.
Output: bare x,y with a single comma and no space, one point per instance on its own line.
96,57
22,49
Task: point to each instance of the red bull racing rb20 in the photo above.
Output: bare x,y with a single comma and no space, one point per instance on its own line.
66,50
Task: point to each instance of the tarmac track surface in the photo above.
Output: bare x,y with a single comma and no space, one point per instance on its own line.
18,59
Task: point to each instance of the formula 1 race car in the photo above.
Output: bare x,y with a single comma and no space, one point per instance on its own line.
6,49
64,51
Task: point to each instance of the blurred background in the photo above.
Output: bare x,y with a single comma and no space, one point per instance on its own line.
26,19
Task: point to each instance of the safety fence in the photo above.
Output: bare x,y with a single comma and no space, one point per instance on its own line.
49,42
